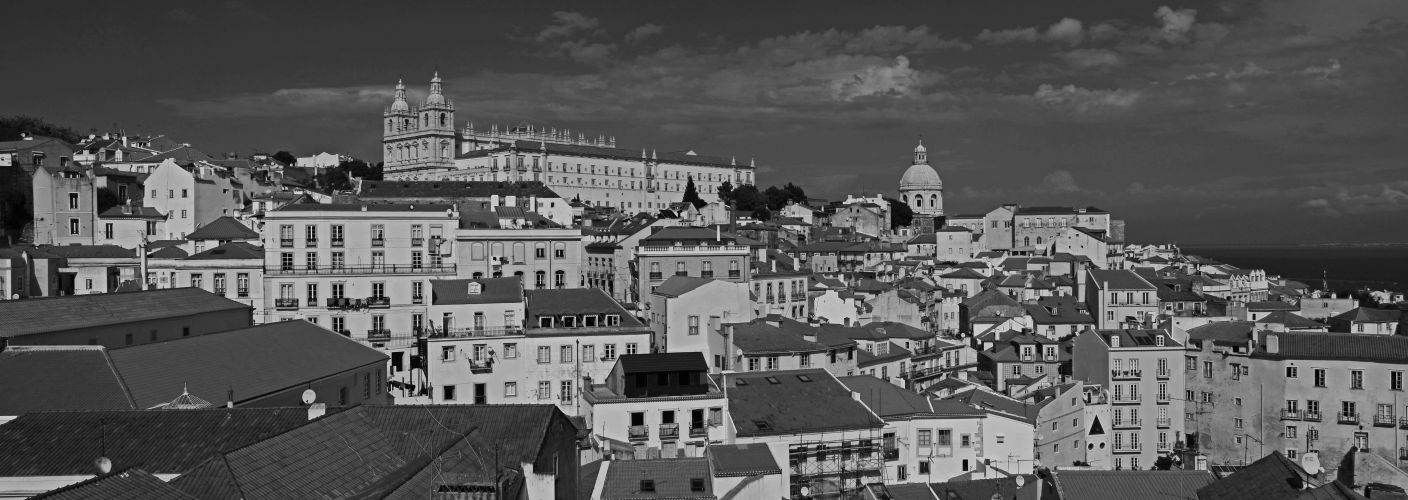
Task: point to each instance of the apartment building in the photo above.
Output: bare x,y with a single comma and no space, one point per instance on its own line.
1019,358
1138,368
362,270
690,251
779,289
192,195
656,406
1120,299
772,344
609,258
942,358
1223,406
567,336
687,313
509,241
1336,391
234,271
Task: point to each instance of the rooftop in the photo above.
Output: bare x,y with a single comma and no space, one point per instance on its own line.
1138,338
1119,279
89,380
731,460
53,314
1269,477
1333,346
1130,484
889,400
785,402
234,250
662,362
224,228
676,286
1223,333
669,478
575,301
491,291
129,484
453,189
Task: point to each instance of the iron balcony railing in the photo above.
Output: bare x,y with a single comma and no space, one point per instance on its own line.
698,431
378,335
1290,414
1163,373
1383,420
415,242
1125,374
285,242
639,432
706,274
378,302
337,242
286,303
344,270
378,242
733,273
1164,421
310,243
477,332
669,431
1403,422
1348,418
1313,416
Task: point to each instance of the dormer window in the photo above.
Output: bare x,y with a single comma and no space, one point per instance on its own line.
475,288
1159,340
545,321
569,321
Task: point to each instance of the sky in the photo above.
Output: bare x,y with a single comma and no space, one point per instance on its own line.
1284,121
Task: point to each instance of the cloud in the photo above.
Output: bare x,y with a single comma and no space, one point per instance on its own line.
567,24
1248,70
644,31
1361,200
1091,58
1323,72
1067,30
586,52
1084,100
1059,181
1176,24
896,79
357,101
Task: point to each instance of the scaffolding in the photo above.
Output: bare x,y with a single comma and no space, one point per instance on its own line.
830,468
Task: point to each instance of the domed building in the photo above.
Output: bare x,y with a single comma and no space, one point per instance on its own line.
923,191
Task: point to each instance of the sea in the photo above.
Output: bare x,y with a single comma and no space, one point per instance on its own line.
1345,267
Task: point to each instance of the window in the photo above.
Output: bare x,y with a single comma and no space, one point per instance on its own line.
1237,423
565,393
73,226
772,362
631,348
510,389
588,353
1319,377
544,354
1207,369
1292,372
926,438
311,260
1356,379
73,201
449,393
544,389
1190,363
694,326
608,351
447,353
560,279
752,364
242,285
378,235
565,354
1395,380
1290,432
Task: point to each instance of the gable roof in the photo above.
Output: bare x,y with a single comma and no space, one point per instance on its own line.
998,403
252,362
453,189
89,381
85,252
663,361
1268,477
758,337
51,314
492,291
750,459
1290,320
670,478
1369,315
1333,346
234,250
130,484
676,286
572,301
1223,333
1130,484
889,400
224,228
760,407
1118,279
158,441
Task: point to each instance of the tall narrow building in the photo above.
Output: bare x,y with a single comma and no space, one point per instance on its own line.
419,138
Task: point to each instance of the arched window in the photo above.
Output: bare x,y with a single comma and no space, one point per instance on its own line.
1038,241
919,201
540,279
388,124
559,279
406,123
904,198
425,120
1027,241
933,201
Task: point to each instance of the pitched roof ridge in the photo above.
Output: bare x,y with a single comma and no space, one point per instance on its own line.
121,382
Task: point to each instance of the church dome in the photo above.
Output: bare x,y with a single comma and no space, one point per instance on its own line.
436,97
920,176
399,104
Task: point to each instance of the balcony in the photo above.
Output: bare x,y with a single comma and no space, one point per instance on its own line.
698,431
1164,446
1347,418
1403,422
477,332
338,242
310,243
416,242
733,273
1383,420
706,274
378,302
1403,453
1129,448
358,269
285,304
418,300
892,454
669,431
676,249
1290,414
1311,416
1162,399
1128,399
480,366
639,432
1125,374
378,242
379,335
656,277
1164,422
285,242
1163,373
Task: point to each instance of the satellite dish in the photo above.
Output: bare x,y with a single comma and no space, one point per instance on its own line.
104,465
1021,481
309,396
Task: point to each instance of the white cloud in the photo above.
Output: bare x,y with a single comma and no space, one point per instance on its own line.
1059,181
1067,30
1323,72
1091,58
644,31
567,24
1175,24
896,79
1248,70
1362,200
1085,100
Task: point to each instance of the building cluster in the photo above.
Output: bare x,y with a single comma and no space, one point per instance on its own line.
497,320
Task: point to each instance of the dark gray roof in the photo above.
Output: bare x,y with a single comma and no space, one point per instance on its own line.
661,362
730,460
453,189
572,301
254,361
670,478
1268,477
1131,484
129,484
1336,346
1370,315
232,250
676,286
1119,279
370,207
89,381
492,291
224,228
781,402
53,314
759,338
1223,333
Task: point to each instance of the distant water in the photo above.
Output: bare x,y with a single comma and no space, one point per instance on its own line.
1349,267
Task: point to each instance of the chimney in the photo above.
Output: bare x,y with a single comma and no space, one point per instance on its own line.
316,410
1273,343
229,395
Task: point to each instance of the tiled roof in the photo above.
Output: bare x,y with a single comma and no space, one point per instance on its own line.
125,212
52,314
161,442
990,298
492,291
964,273
571,301
1223,333
758,337
1119,279
895,330
383,451
89,381
988,401
889,400
1268,477
676,286
253,362
674,157
183,154
232,250
760,407
893,352
924,239
224,228
168,253
130,484
370,207
660,362
1334,490
671,234
1271,305
1067,312
453,189
1334,346
1290,320
85,252
671,478
1370,315
1130,484
985,489
751,459
1138,338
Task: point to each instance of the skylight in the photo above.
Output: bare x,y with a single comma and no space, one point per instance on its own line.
773,380
804,378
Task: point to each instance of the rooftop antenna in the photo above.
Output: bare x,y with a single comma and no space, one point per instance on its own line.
103,463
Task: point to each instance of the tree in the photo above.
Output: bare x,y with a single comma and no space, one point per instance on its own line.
795,193
726,192
12,126
776,198
691,194
107,198
900,213
286,158
334,179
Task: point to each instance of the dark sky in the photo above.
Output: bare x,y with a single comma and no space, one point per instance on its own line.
1279,122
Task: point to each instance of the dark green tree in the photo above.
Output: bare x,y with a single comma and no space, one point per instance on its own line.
726,192
12,126
286,158
795,193
107,198
691,194
900,213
